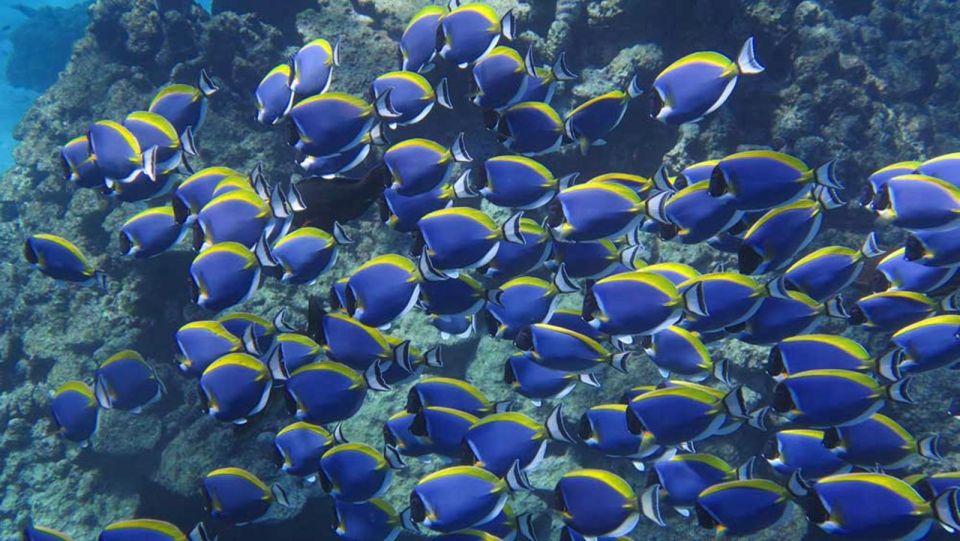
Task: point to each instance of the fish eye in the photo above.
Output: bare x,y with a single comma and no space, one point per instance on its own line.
705,519
634,424
509,376
816,512
418,511
775,362
718,182
782,401
554,213
414,404
655,102
913,248
124,241
882,199
585,430
866,195
770,449
524,339
29,253
855,315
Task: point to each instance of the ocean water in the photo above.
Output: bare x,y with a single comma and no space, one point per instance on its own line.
779,113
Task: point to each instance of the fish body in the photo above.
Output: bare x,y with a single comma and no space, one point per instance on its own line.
79,165
596,211
382,290
200,343
597,503
830,397
197,190
469,32
802,449
126,382
529,128
420,165
142,529
897,272
331,123
373,519
274,96
817,351
305,254
591,122
235,387
916,202
325,392
60,259
457,498
418,44
764,179
742,507
633,303
223,275
411,98
354,472
236,495
879,441
150,232
312,67
75,411
300,446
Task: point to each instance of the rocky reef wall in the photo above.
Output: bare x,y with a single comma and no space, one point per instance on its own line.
847,80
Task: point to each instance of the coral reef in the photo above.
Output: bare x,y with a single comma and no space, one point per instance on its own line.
36,68
843,82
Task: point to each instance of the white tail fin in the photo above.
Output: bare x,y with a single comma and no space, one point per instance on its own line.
511,229
871,248
401,356
280,495
463,189
443,94
517,480
560,70
206,85
394,458
633,89
694,300
187,143
385,107
661,179
834,308
747,59
899,391
629,257
340,235
149,163
294,200
589,379
529,64
428,271
508,25
336,53
945,510
563,282
826,175
656,207
619,361
930,447
556,428
373,375
459,150
650,505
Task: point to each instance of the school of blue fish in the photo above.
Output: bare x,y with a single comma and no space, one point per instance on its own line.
830,449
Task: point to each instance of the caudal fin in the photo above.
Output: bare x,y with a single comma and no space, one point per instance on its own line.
747,59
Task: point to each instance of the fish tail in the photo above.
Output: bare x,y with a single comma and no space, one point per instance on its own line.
508,26
871,248
557,428
946,510
560,70
206,84
443,94
650,505
747,61
930,447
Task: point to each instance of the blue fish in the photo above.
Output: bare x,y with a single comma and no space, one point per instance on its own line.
300,446
325,392
764,179
289,352
442,429
830,397
185,106
897,272
674,415
331,123
513,260
153,130
802,450
931,486
127,382
825,272
274,95
373,519
528,128
699,83
945,167
235,387
604,429
500,78
402,212
256,332
889,311
632,303
238,496
312,66
694,214
453,326
716,301
224,275
449,393
896,511
742,507
79,165
240,216
145,529
916,202
519,182
202,342
461,296
596,503
406,97
678,482
396,434
346,340
877,180
119,155
462,238
421,165
40,533
308,252
779,318
537,382
880,441
502,441
75,411
60,259
523,301
677,351
590,260
774,240
924,345
562,349
933,248
150,233
418,44
469,32
382,290
595,211
591,122
817,351
677,273
355,472
457,498
197,190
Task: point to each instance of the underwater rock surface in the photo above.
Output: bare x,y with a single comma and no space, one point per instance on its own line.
844,81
